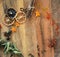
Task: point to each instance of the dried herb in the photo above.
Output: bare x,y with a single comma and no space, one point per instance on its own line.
9,48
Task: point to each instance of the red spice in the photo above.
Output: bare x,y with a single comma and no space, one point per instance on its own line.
52,43
49,46
48,16
57,28
0,26
53,22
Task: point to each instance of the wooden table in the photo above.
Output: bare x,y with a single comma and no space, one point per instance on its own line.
35,31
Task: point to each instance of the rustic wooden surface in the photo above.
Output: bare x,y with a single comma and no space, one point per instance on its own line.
25,37
35,31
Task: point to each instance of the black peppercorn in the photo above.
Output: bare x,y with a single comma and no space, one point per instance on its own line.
8,38
11,12
7,34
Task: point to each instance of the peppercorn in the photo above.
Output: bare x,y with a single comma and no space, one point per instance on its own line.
7,38
11,12
7,34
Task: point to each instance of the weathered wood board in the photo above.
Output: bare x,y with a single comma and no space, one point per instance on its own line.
55,6
25,37
35,31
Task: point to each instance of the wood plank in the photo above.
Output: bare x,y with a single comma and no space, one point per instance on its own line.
29,34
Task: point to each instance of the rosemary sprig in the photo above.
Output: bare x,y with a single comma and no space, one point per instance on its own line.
10,48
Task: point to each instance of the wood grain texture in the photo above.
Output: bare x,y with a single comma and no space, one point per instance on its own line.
16,39
44,29
25,37
35,31
55,6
